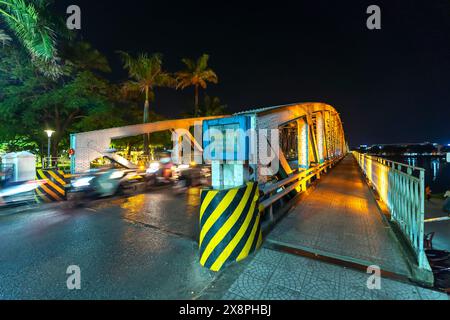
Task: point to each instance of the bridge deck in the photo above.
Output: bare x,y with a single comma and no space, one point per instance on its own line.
340,219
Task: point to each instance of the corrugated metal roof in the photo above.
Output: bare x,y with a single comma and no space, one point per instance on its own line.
264,109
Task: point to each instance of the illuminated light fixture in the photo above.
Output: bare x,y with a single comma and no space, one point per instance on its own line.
49,133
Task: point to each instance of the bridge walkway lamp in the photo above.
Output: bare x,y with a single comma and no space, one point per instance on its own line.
49,135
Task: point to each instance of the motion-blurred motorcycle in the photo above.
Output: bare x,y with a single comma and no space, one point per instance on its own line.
191,176
98,184
159,173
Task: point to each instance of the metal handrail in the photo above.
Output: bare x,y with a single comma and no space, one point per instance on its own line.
54,162
300,180
410,170
402,188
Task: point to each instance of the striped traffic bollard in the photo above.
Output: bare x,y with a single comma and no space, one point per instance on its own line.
54,188
230,226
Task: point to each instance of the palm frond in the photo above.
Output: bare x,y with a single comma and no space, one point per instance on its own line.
36,37
202,62
196,73
147,70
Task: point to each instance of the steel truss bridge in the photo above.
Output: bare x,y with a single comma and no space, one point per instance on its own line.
311,142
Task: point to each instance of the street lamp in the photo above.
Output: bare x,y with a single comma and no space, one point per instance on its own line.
49,135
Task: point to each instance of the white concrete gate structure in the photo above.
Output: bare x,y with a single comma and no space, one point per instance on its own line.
91,145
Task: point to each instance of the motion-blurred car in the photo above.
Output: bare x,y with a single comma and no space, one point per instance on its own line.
104,183
19,193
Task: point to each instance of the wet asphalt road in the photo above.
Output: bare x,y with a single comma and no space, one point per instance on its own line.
139,247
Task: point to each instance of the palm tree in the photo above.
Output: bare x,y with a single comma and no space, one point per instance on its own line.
212,106
196,74
26,22
145,73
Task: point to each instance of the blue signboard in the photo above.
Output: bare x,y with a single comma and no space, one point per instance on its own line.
226,139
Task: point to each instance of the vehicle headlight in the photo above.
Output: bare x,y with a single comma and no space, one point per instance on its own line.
82,182
153,167
117,175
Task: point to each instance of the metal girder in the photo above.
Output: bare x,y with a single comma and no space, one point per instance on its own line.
89,146
320,131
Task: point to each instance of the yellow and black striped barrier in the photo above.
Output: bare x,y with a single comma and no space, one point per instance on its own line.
54,188
230,226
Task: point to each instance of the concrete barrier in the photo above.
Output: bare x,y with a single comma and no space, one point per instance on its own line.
54,189
230,225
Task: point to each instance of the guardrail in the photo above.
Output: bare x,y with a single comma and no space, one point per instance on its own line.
401,188
54,162
297,181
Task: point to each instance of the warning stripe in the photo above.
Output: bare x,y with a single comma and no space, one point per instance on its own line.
50,193
206,201
226,227
230,225
218,211
54,187
42,196
249,244
225,254
56,177
235,225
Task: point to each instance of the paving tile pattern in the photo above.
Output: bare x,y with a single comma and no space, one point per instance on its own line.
273,275
341,218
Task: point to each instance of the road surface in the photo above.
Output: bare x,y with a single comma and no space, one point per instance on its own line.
145,247
141,247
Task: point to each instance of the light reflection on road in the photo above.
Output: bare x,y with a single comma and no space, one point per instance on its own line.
162,209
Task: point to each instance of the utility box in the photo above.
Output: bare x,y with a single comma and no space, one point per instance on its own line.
24,164
227,147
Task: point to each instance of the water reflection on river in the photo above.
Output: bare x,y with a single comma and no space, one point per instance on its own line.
437,170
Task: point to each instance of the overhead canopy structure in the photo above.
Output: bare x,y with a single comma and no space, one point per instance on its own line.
314,128
91,145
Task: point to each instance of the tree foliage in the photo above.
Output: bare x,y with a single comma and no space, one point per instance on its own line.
27,20
196,74
145,73
31,103
61,85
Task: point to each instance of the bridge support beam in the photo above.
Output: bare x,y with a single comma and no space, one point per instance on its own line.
320,136
303,144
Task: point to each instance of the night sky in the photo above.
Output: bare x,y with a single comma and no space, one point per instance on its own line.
390,85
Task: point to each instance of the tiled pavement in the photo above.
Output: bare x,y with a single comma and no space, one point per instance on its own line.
339,219
274,275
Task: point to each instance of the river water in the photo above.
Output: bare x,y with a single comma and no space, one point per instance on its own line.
437,170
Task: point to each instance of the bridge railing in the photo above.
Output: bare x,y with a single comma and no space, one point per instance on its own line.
296,181
401,188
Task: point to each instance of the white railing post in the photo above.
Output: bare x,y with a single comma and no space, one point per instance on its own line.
402,188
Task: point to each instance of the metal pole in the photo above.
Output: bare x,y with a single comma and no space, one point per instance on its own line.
48,152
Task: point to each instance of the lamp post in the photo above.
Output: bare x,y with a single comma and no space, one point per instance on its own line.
49,135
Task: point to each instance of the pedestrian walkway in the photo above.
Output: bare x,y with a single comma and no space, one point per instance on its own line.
340,220
275,275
